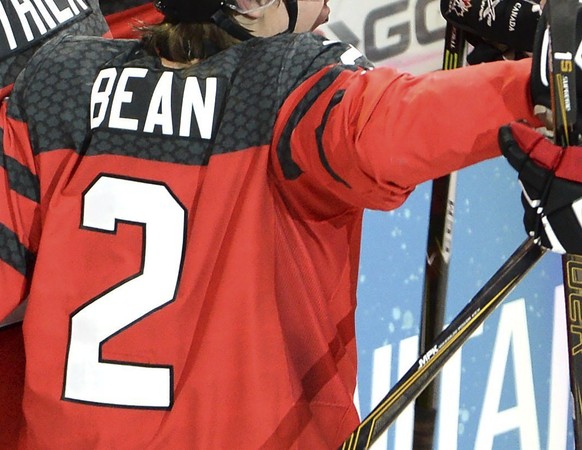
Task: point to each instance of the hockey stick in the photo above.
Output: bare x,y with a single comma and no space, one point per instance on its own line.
562,20
446,344
438,254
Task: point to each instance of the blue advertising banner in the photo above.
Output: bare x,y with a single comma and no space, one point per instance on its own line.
507,388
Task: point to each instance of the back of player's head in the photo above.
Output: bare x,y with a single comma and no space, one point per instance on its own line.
197,29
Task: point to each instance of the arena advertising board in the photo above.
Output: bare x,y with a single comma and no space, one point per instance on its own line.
507,388
406,34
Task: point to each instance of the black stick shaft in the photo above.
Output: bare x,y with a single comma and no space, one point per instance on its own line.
563,15
436,273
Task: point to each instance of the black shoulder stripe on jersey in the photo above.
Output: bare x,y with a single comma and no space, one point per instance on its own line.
20,178
291,170
337,97
14,253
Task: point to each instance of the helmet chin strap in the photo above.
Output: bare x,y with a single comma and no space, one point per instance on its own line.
292,11
237,31
229,25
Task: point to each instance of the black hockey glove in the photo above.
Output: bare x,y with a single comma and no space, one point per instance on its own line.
551,179
484,51
540,88
506,23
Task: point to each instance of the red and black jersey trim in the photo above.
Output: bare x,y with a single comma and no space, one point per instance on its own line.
290,169
14,253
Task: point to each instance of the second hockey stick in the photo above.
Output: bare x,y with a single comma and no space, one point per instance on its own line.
438,254
563,16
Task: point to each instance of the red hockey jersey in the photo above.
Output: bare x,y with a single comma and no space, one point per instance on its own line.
189,239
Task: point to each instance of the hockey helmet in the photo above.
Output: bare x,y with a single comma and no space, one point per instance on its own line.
201,11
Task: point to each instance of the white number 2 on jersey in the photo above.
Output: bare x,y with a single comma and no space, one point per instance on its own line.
88,377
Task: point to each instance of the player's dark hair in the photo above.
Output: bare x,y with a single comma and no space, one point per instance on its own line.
182,41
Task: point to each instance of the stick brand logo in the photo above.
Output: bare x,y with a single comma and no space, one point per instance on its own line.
565,59
487,11
574,306
427,356
459,7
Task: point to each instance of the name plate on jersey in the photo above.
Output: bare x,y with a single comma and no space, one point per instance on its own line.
25,22
156,102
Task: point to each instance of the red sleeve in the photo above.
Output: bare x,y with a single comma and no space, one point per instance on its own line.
383,132
123,23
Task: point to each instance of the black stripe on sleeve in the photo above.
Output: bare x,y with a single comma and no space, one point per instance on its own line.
14,253
20,179
290,169
337,97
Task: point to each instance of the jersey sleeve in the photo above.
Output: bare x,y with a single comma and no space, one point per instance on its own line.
367,138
